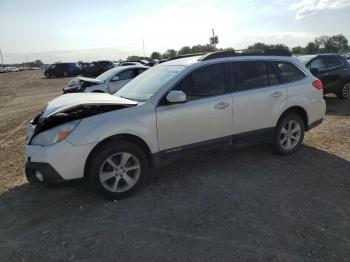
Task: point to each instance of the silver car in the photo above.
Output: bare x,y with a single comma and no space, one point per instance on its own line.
108,82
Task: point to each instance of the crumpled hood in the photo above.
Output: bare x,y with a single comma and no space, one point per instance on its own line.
76,80
69,101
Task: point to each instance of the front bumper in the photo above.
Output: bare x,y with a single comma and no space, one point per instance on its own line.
58,162
42,173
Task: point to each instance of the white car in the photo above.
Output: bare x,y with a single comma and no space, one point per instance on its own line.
12,69
219,99
3,70
108,82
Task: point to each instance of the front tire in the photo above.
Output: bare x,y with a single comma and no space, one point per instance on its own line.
117,169
344,92
289,134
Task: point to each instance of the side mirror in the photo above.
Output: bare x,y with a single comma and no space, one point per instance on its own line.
176,96
115,78
314,71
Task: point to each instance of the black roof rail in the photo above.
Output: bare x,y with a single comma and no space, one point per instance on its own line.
186,55
231,53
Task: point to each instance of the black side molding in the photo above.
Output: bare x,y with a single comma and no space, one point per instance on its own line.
314,124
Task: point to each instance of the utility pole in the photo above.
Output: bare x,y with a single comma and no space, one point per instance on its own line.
143,46
214,40
2,60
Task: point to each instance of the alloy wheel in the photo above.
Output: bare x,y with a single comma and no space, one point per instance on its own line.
290,134
346,91
120,172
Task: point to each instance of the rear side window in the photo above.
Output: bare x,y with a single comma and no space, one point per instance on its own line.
333,61
249,75
288,72
142,70
203,82
273,76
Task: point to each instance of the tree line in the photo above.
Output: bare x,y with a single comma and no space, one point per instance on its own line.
322,44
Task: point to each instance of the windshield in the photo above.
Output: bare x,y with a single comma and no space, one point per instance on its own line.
150,82
107,75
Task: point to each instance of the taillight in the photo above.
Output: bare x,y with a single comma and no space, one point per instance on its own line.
318,84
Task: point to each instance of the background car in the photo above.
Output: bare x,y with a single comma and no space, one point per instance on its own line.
108,82
130,63
62,69
3,70
333,70
12,69
96,68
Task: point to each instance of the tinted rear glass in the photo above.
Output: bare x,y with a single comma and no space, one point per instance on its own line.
333,61
249,75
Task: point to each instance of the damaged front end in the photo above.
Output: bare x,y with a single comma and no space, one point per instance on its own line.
42,123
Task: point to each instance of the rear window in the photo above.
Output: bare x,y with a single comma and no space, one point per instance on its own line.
288,72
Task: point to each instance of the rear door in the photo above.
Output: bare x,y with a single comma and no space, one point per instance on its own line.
206,116
333,74
257,96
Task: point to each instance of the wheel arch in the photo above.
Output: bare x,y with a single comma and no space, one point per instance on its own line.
121,137
298,110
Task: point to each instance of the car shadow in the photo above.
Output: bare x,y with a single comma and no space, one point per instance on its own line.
337,107
246,205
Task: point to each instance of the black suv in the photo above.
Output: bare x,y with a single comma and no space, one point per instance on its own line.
333,70
62,69
96,68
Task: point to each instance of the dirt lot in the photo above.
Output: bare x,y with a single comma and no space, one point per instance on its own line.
247,205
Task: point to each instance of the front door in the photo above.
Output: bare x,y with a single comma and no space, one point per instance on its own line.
206,116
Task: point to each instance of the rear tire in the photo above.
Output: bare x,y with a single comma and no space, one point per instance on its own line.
344,92
117,169
289,134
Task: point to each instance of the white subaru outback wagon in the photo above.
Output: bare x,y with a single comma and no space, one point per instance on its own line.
196,102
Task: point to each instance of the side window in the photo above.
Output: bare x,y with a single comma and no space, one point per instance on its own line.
288,72
141,71
318,63
273,76
333,61
52,66
249,75
127,74
203,82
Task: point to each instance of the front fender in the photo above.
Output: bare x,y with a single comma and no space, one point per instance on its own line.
139,121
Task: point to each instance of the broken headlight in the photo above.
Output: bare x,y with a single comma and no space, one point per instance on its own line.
55,134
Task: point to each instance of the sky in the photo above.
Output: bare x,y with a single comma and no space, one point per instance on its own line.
73,30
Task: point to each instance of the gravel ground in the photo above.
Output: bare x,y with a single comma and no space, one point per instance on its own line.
246,205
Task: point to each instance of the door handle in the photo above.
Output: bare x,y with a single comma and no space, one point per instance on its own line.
221,105
276,94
